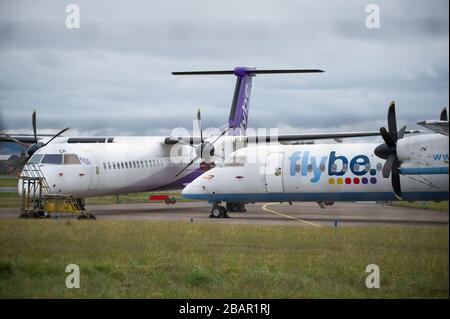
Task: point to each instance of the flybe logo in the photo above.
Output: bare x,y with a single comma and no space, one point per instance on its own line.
247,92
334,165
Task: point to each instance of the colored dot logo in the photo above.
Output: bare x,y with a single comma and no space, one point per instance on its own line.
355,180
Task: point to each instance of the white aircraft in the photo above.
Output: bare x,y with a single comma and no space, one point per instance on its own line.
410,168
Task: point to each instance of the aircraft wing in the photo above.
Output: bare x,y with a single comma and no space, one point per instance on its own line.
319,136
24,138
437,126
284,137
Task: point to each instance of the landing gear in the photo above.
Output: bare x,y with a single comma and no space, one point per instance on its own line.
236,207
218,211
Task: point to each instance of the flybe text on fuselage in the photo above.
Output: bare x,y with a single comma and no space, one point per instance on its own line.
303,163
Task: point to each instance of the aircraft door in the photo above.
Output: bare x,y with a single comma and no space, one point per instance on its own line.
95,172
274,172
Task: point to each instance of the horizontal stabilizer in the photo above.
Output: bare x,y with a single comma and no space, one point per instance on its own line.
240,71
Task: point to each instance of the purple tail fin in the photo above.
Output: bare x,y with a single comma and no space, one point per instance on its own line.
237,122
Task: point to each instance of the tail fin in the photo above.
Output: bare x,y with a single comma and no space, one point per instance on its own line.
237,121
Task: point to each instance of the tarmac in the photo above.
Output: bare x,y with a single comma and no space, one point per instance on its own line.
298,214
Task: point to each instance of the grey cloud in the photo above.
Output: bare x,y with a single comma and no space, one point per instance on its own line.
112,76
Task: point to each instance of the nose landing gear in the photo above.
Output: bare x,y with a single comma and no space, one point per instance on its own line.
218,211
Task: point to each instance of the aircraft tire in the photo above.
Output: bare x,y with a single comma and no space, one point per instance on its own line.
218,212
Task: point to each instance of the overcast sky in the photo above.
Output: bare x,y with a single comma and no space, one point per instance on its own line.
112,75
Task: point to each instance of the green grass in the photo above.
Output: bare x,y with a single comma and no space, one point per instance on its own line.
8,182
132,198
9,200
201,260
441,206
12,199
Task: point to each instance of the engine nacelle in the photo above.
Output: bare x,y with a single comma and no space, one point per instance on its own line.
421,148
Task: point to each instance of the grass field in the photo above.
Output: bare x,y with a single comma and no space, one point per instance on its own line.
190,260
8,182
9,200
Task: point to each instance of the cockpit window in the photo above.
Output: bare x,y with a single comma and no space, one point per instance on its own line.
238,160
35,159
71,159
52,159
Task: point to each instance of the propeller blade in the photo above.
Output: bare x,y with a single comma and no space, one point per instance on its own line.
199,120
16,141
401,132
55,136
223,133
21,163
387,167
392,121
387,137
33,122
190,163
396,179
444,116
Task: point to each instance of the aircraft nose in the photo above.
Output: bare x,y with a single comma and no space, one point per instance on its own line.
196,189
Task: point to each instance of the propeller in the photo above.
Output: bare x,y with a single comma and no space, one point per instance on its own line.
388,150
36,145
204,149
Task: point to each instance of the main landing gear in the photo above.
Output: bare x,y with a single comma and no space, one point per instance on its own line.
218,211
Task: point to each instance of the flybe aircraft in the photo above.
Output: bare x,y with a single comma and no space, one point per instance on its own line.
410,168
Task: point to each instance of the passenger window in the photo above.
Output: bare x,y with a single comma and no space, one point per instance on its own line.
134,164
322,167
310,168
52,159
114,165
35,159
104,165
379,167
345,167
121,165
142,164
71,159
109,165
126,165
298,168
356,167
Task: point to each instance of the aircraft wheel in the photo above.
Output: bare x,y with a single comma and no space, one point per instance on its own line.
167,201
173,200
218,212
82,217
24,216
92,217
